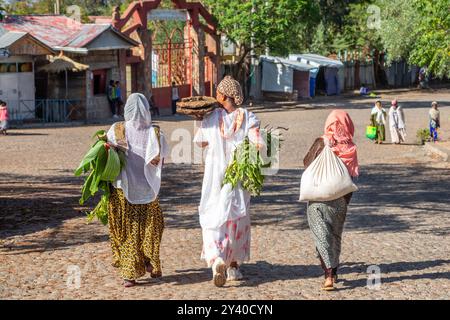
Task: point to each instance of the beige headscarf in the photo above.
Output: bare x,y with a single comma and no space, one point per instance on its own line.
231,88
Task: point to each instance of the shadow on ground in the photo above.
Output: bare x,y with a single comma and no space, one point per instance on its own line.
262,272
392,198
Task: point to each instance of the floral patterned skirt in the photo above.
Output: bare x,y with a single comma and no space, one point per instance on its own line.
231,242
135,232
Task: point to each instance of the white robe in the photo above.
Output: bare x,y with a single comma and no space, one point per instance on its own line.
397,125
219,206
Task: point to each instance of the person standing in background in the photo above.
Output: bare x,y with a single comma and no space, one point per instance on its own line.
4,118
118,97
397,123
435,121
111,95
175,97
378,120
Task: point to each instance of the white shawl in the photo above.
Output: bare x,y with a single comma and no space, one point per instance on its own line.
140,180
380,119
221,204
396,118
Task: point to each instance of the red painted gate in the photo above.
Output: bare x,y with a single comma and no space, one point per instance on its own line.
170,63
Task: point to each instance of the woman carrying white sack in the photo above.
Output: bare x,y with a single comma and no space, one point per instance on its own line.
326,218
135,219
397,123
224,212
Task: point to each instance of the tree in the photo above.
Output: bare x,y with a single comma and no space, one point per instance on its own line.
257,24
419,32
432,47
398,30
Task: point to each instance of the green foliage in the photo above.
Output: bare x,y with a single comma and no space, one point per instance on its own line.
432,47
246,167
423,135
414,30
269,23
418,31
103,164
356,31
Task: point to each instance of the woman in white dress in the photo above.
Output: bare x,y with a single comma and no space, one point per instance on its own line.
135,218
224,212
397,123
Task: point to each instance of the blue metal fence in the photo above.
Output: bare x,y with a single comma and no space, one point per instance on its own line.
46,110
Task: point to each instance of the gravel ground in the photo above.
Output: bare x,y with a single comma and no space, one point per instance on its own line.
397,222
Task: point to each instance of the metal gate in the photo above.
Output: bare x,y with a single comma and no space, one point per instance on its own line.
171,59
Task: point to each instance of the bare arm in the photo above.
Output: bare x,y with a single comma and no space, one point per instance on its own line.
313,152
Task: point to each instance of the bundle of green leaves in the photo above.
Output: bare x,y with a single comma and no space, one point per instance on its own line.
103,164
246,167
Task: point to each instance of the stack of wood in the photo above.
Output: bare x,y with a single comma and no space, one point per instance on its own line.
197,107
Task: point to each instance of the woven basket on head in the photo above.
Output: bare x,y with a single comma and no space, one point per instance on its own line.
197,106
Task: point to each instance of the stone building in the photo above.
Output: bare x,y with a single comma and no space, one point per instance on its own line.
29,42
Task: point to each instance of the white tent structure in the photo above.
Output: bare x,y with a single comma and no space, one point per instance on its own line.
331,72
281,75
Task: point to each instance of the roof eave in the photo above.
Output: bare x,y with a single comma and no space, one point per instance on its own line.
72,49
118,33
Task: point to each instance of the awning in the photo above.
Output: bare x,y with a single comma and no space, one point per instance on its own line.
296,65
316,60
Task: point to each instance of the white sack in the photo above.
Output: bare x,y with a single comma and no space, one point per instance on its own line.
326,179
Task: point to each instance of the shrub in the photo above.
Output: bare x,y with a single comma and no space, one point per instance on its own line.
423,135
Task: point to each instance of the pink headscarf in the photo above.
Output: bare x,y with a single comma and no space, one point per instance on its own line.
339,131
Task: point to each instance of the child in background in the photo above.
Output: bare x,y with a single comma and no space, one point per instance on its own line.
4,117
435,121
378,119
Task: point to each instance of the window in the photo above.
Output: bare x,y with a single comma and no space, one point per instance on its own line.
26,67
8,67
99,81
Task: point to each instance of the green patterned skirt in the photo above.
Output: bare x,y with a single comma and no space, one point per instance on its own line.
326,222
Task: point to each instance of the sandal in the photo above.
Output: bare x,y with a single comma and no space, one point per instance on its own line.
129,283
328,285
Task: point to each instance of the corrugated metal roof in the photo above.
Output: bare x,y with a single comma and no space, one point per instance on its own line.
9,38
100,19
297,65
53,30
57,30
87,33
317,60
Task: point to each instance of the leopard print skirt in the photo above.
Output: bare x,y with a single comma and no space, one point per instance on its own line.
135,232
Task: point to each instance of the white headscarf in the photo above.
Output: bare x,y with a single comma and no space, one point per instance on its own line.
380,118
140,180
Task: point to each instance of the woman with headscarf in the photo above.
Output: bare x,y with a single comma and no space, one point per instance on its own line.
397,123
135,218
378,120
224,212
326,219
